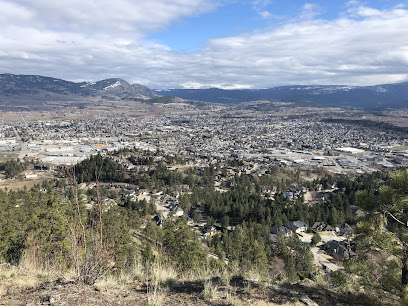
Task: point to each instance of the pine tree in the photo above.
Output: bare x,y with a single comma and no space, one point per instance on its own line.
386,226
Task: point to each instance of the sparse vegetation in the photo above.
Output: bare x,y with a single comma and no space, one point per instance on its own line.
210,290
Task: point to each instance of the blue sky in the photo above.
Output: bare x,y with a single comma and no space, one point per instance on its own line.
190,33
208,43
237,17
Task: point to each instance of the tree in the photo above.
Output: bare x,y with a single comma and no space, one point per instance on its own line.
12,167
386,227
182,245
147,253
316,239
297,256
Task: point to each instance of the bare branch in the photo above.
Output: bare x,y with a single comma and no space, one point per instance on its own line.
395,218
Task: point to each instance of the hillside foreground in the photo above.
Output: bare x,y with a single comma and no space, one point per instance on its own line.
27,286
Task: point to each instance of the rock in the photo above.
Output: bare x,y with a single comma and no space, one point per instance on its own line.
280,289
49,299
307,300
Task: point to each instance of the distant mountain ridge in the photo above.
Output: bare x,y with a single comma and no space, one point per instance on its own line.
41,88
35,85
367,97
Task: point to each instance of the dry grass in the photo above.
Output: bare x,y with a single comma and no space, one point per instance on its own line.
108,282
254,276
210,290
137,271
232,299
208,273
161,273
20,277
155,297
157,272
30,273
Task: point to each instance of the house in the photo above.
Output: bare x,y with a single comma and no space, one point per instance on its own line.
357,211
281,230
288,195
297,226
199,209
29,174
177,211
41,167
345,230
189,220
338,249
127,193
322,227
209,230
108,203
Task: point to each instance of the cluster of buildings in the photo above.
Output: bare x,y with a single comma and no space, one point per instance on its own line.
304,142
257,140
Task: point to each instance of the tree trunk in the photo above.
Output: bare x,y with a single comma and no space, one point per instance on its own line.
404,274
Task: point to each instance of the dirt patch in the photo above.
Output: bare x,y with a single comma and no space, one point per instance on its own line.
16,183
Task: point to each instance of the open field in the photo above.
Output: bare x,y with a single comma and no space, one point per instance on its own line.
6,157
16,183
399,148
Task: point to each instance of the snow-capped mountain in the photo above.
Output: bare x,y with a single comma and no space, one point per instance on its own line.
35,85
40,88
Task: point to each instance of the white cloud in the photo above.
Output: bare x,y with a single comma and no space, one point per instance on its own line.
109,40
265,14
260,8
310,11
13,13
367,12
109,16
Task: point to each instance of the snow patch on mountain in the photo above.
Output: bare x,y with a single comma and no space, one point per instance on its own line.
88,84
118,83
380,89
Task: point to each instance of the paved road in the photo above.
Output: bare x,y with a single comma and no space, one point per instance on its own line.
321,260
23,145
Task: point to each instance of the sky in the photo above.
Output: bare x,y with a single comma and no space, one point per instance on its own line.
230,44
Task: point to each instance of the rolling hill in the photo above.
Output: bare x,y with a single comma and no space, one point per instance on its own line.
366,97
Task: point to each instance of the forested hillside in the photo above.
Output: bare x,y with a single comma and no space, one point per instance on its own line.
62,227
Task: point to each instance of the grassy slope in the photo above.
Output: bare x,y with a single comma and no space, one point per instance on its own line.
26,285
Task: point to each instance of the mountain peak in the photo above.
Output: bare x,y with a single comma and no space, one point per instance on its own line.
42,87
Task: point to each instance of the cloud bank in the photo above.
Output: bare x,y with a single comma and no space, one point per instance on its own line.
91,40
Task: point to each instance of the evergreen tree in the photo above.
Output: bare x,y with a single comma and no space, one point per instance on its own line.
386,226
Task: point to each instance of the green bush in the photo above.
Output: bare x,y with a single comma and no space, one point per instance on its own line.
316,239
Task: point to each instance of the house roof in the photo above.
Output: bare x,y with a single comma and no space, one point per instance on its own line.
294,225
280,230
337,247
322,226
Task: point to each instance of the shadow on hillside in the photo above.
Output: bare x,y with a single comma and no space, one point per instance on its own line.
279,294
323,296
